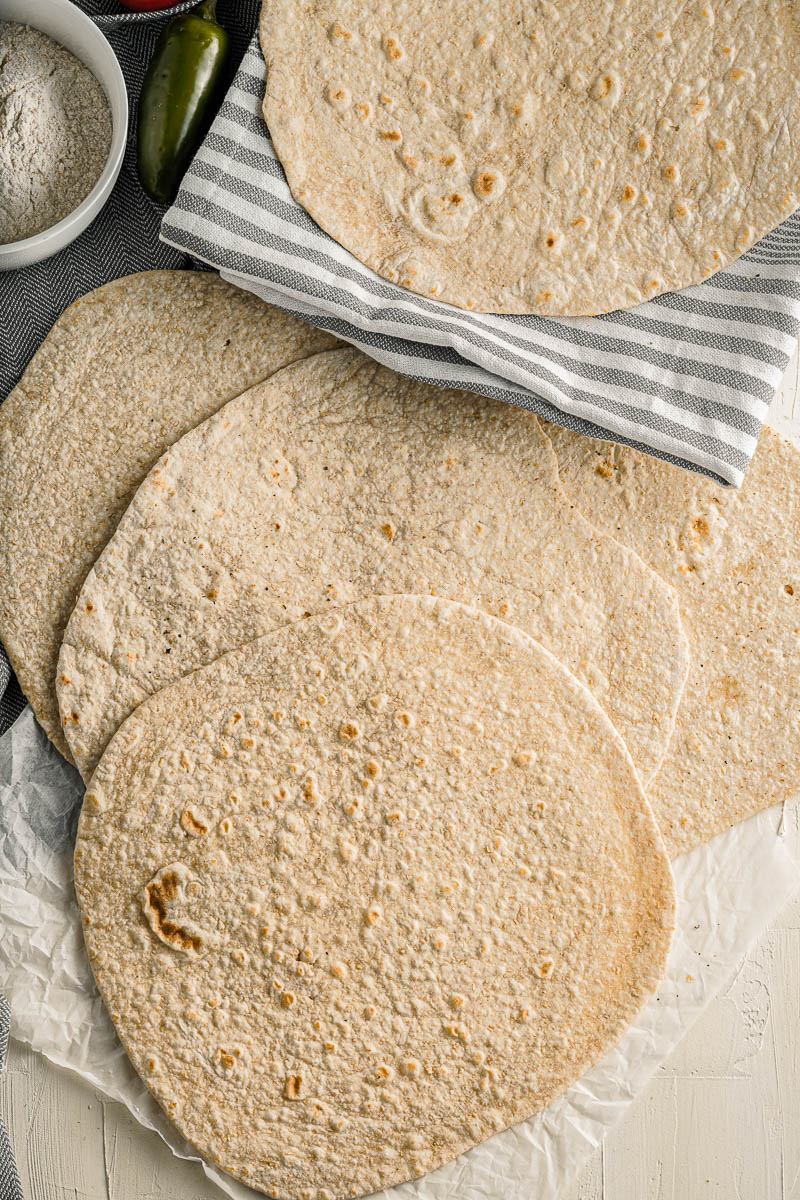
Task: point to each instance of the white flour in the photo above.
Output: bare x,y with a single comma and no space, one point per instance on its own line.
55,132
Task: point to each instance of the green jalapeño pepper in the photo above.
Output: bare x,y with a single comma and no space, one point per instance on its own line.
179,97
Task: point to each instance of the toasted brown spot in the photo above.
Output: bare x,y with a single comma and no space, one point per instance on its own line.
388,530
158,893
338,31
337,95
89,606
728,688
700,524
578,222
393,48
628,193
788,589
392,135
192,824
550,241
670,171
456,199
293,1087
349,731
604,470
363,110
447,160
484,184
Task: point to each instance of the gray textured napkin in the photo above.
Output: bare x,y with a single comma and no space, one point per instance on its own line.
10,1187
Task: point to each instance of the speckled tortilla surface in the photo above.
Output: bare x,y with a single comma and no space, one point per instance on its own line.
337,479
124,372
351,913
734,560
562,157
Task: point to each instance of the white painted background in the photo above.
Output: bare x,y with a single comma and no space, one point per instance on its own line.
719,1121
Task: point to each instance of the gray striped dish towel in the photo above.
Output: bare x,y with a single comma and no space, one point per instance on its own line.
688,376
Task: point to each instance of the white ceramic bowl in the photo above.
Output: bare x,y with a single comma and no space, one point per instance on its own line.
69,26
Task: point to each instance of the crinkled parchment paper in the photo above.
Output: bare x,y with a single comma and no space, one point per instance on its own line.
728,891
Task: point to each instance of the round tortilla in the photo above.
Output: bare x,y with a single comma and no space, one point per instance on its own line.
366,891
124,372
733,558
555,158
338,479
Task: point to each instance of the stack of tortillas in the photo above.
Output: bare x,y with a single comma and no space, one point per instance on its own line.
369,714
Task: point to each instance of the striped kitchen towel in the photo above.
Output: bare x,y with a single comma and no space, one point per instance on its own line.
688,376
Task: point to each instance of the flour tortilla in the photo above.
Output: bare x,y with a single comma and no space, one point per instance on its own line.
338,479
366,891
124,372
734,560
554,156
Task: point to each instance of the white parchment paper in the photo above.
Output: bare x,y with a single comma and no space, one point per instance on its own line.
728,892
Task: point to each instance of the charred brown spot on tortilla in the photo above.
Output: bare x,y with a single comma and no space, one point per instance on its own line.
158,893
193,824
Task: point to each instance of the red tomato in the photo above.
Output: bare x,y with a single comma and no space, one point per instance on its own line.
147,5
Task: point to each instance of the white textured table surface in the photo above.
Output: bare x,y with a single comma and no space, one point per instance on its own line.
720,1120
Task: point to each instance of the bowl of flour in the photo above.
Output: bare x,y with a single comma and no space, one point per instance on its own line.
63,125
